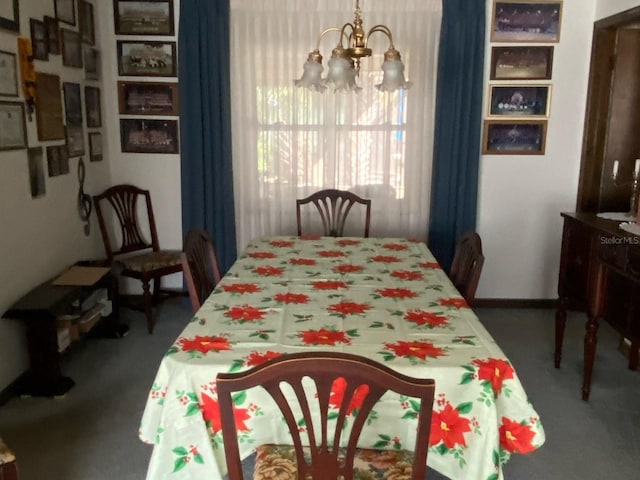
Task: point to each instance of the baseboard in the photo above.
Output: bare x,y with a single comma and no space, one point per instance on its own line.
515,303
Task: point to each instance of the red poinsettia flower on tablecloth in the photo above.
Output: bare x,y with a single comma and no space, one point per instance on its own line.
420,317
414,240
420,349
241,288
347,242
449,427
397,293
407,275
302,261
245,313
323,337
348,308
330,253
515,437
268,271
453,302
433,265
347,268
281,243
329,285
337,395
211,412
291,298
204,344
385,259
395,246
309,237
256,358
494,371
262,255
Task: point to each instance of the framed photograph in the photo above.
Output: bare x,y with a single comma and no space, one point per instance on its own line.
57,160
36,172
521,63
49,117
514,137
143,17
526,21
13,129
72,104
147,59
75,141
71,48
10,16
92,107
95,146
39,39
8,74
53,35
66,11
519,100
85,21
91,56
141,135
147,98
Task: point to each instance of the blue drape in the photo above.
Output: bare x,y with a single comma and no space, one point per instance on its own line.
454,188
205,123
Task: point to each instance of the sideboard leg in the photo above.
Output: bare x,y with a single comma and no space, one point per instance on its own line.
561,322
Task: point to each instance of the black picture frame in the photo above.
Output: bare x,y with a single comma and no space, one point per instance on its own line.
66,11
143,135
514,137
143,17
12,23
95,146
521,100
71,48
91,62
93,109
57,160
86,22
72,104
148,98
36,172
526,21
53,35
39,39
146,59
75,141
521,63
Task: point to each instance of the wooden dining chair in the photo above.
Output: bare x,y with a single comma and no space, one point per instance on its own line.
334,206
200,266
467,265
139,258
318,454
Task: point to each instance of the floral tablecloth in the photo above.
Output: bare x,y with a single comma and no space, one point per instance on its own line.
384,298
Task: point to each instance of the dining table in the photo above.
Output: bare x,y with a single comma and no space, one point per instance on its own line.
387,299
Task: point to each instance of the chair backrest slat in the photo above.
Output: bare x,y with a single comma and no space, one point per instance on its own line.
200,266
334,206
467,265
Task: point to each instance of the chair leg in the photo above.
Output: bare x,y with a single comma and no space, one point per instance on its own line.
148,305
156,290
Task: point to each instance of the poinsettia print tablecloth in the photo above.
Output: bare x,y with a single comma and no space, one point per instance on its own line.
387,299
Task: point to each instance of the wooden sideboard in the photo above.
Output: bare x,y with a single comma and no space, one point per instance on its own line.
600,275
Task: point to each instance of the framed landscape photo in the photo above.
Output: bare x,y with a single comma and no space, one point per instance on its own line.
514,137
95,146
39,39
53,35
92,107
8,74
148,98
143,17
49,116
72,104
526,21
141,135
86,23
521,63
147,59
10,15
13,128
66,11
519,100
71,48
75,141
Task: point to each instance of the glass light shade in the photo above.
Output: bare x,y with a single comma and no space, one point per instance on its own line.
341,75
393,78
312,77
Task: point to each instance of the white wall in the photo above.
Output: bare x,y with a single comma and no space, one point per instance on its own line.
606,8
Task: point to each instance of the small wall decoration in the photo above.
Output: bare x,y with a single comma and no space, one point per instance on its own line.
27,73
95,146
140,135
521,63
66,11
526,21
72,104
75,141
13,130
10,16
49,107
85,21
39,39
514,137
90,63
71,48
148,59
148,98
36,172
519,100
57,160
92,106
53,35
143,17
8,74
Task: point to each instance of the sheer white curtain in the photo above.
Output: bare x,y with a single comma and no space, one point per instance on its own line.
289,142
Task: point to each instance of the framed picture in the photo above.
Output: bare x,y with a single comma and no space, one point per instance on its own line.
514,137
519,100
8,74
147,98
85,21
95,146
53,35
521,63
91,56
147,59
92,107
13,129
75,141
39,39
66,11
526,21
71,48
10,16
140,135
57,160
143,17
49,107
36,172
72,104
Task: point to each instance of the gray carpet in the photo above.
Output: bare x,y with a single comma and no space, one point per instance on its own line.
91,433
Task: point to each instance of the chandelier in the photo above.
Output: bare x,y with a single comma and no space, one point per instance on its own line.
344,64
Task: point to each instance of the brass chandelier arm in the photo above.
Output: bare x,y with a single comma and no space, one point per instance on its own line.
380,28
333,29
